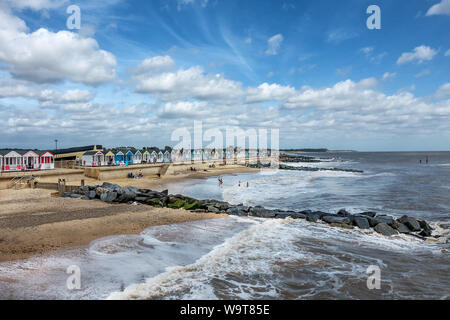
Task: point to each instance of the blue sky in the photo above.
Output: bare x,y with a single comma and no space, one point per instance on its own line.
138,70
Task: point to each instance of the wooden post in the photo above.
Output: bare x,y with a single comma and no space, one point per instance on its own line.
82,182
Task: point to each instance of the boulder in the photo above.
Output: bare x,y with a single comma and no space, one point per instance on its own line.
236,211
75,195
212,209
410,222
312,217
336,219
126,195
110,186
385,229
425,233
261,212
99,191
343,213
382,219
424,225
402,228
109,196
369,214
361,222
165,192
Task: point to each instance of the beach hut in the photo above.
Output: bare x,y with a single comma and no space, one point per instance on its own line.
167,156
93,159
137,157
145,156
153,157
30,160
46,160
110,158
12,160
160,157
175,156
129,155
119,157
1,162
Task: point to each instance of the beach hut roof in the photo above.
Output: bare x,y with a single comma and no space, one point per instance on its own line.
110,153
92,153
138,152
145,152
129,152
10,153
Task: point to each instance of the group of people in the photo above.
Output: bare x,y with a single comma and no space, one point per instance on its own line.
140,175
426,160
239,184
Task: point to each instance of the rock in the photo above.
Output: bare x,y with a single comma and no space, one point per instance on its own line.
261,212
336,220
385,229
361,222
382,219
75,195
424,225
212,209
312,217
194,205
109,196
110,186
236,211
445,226
126,195
369,214
402,228
85,198
425,233
178,204
410,222
99,191
243,208
154,202
343,213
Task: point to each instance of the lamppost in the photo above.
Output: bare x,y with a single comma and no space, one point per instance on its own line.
56,144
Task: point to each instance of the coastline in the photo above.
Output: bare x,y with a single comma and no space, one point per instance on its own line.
33,222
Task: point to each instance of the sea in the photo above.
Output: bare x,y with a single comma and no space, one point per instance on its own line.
252,258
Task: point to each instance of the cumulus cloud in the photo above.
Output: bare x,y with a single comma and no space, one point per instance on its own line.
419,54
443,91
43,56
442,7
268,92
274,44
184,83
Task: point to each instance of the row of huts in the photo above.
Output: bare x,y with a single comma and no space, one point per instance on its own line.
129,157
21,160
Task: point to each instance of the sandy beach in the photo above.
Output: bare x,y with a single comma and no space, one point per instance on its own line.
33,222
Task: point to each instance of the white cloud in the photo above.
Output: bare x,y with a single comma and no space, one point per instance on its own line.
443,91
447,53
268,92
389,75
189,83
154,65
440,8
419,54
422,73
274,44
36,4
44,56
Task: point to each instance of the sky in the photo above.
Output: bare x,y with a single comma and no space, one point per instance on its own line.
136,71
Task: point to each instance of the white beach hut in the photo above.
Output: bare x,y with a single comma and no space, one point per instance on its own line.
93,159
30,160
46,160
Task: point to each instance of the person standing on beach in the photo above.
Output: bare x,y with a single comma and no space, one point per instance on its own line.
426,160
247,184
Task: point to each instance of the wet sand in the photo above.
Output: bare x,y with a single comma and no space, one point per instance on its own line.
33,222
